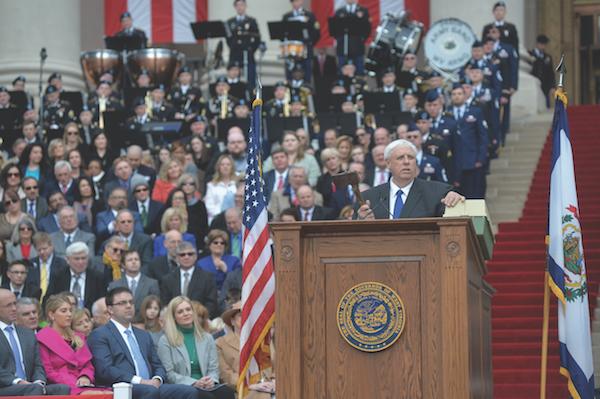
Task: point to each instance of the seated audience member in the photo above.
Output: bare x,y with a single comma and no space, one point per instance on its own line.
223,182
17,281
50,223
20,245
150,211
277,178
168,176
228,346
46,265
148,317
172,219
12,215
64,353
187,197
99,312
28,313
123,174
134,240
135,156
81,322
232,288
218,263
289,215
10,180
163,265
62,181
122,353
289,198
70,232
140,285
190,280
330,158
22,370
87,202
189,353
105,221
34,204
296,156
101,150
85,283
233,220
307,209
109,262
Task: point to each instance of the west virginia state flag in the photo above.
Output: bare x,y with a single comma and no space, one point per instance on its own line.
566,264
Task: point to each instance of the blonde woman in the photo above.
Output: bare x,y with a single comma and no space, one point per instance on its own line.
64,353
81,321
189,353
167,180
173,218
223,182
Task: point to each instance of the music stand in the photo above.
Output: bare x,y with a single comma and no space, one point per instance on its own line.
223,126
350,25
327,120
380,103
348,123
160,133
131,93
114,128
124,43
210,29
19,99
9,118
287,30
75,100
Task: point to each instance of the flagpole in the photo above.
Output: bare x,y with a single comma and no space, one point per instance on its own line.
562,70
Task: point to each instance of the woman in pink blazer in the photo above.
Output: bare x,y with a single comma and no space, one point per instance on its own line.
64,353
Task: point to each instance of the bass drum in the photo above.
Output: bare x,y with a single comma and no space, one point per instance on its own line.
162,64
95,63
448,44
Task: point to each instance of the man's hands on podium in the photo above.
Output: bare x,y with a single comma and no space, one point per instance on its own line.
452,199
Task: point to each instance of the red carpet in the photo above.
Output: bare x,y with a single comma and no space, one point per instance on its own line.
517,268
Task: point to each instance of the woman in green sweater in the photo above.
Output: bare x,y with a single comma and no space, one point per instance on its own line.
189,353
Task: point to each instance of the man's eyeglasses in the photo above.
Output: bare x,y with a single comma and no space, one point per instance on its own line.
117,250
184,254
25,228
141,189
10,201
29,188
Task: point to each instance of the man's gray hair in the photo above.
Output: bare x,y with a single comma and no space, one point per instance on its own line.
77,248
186,245
115,239
96,304
397,144
26,301
59,165
134,149
66,208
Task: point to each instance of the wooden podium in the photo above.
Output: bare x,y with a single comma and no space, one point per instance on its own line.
436,267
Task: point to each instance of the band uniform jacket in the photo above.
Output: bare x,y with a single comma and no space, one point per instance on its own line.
356,44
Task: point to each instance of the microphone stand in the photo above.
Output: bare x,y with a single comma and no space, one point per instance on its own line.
43,56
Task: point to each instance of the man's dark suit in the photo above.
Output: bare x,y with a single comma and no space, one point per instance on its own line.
134,32
49,225
114,363
159,267
202,288
95,285
508,33
318,213
41,207
56,266
34,370
28,290
323,79
146,286
104,218
52,186
424,200
269,179
155,211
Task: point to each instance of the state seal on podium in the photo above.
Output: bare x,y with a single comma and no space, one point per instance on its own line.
370,316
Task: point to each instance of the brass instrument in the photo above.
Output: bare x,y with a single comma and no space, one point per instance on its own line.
95,63
286,103
148,101
307,100
224,105
101,109
370,121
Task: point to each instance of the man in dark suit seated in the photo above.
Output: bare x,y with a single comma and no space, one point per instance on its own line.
307,210
140,242
49,223
86,284
17,281
33,204
69,232
190,280
140,285
62,181
21,370
123,353
405,196
163,265
134,156
45,266
150,211
105,221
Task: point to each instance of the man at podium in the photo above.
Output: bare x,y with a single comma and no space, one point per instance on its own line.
406,196
128,30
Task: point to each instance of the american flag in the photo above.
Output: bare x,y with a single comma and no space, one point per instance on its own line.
258,279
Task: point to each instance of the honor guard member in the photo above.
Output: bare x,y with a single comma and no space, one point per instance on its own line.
242,109
339,87
509,69
442,123
311,35
222,104
134,124
237,87
55,79
186,99
388,81
508,31
348,106
355,44
5,99
87,127
354,84
18,84
57,112
409,77
161,110
542,66
103,101
433,144
410,101
430,166
482,97
244,40
127,29
279,105
471,149
144,80
491,75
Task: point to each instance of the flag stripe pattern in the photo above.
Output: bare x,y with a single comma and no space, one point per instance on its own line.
258,279
566,263
164,21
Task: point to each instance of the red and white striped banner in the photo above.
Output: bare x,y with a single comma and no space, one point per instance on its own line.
164,21
323,9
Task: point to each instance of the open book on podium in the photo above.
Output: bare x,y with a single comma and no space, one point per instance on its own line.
478,212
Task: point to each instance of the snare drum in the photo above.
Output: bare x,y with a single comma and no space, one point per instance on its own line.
161,63
294,49
95,63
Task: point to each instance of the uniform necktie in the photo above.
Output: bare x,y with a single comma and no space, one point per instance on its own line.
43,278
280,183
137,356
133,286
186,283
20,372
398,205
144,215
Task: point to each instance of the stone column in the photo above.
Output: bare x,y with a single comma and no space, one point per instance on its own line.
28,25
